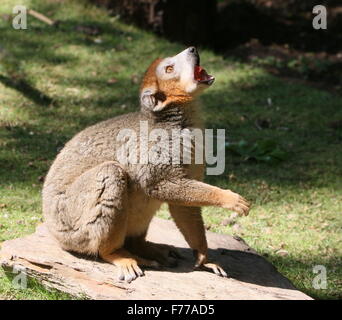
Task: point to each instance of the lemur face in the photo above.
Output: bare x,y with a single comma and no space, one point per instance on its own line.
182,73
177,79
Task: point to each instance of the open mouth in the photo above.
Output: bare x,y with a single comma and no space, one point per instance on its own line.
202,76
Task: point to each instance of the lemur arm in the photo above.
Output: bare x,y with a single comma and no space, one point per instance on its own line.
193,193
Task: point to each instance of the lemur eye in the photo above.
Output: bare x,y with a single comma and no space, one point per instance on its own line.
169,69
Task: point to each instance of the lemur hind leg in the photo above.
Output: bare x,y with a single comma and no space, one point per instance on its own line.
95,209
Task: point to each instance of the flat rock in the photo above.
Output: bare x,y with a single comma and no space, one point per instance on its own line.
251,276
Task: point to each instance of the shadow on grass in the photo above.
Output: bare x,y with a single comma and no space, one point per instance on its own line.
27,90
28,153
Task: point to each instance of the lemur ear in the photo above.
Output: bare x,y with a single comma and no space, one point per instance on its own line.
151,100
147,99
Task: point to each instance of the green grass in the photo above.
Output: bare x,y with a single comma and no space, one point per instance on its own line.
54,82
33,290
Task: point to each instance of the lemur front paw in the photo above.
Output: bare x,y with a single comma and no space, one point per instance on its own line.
236,203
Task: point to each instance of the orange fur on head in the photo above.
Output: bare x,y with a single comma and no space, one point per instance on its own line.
168,91
150,77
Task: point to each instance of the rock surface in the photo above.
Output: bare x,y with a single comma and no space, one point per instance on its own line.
251,276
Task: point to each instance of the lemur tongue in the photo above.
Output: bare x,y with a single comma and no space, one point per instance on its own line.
202,76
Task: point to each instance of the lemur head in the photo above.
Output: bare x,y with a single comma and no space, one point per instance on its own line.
177,79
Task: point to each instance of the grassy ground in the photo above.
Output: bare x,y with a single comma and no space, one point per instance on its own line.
55,82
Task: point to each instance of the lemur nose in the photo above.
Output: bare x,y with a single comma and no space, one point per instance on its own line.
192,50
